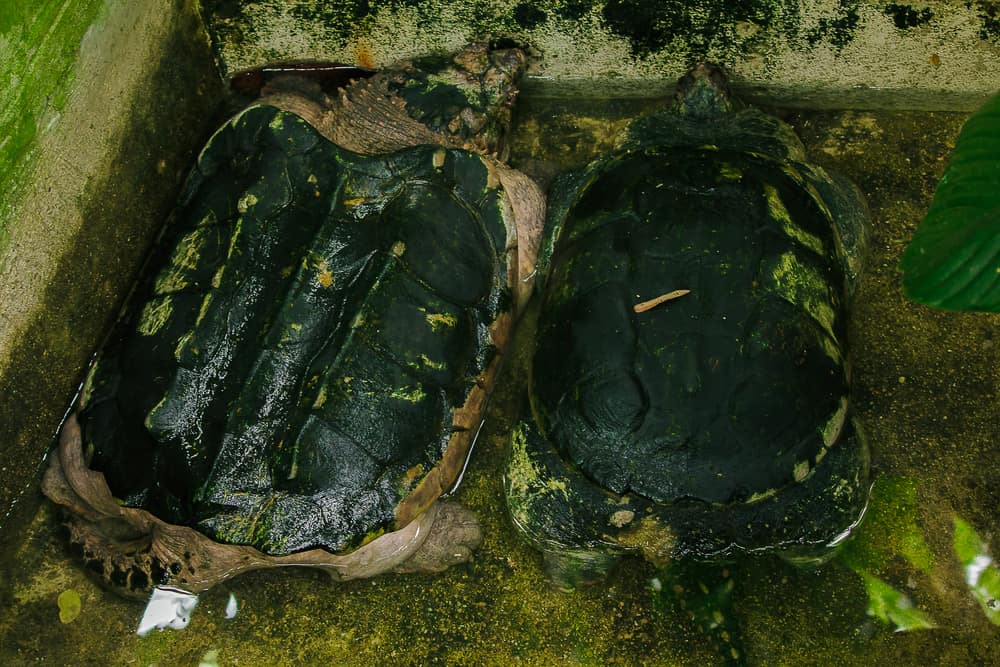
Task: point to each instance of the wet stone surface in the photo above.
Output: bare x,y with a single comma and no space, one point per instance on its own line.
925,387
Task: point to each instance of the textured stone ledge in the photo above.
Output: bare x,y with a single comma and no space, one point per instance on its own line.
937,54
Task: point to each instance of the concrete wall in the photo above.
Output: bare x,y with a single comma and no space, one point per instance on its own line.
934,54
103,104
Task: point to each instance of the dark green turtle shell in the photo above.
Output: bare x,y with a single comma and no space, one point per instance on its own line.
292,372
720,394
709,414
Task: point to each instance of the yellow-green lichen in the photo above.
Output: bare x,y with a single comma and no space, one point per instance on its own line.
409,479
246,202
525,482
217,276
250,527
69,606
778,212
292,333
413,394
650,537
437,160
522,478
833,427
729,172
206,302
182,344
148,421
88,385
621,518
439,321
802,285
183,260
761,495
208,219
155,315
235,237
426,362
320,398
324,277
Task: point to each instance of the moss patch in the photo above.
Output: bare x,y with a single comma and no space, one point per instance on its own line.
39,42
905,17
989,13
124,208
839,27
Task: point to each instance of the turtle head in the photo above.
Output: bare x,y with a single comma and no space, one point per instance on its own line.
463,100
467,96
703,92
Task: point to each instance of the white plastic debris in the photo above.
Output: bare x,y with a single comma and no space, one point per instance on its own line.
167,608
232,607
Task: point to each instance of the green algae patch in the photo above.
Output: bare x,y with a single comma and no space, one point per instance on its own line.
39,42
155,316
890,529
778,212
64,286
802,284
410,394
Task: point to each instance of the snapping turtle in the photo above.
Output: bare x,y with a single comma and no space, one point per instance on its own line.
306,374
689,389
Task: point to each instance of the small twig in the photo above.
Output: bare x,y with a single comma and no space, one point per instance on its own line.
653,303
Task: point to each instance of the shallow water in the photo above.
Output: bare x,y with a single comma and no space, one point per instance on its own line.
926,387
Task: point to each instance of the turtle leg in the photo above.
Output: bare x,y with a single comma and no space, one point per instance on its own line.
454,535
561,513
704,593
571,569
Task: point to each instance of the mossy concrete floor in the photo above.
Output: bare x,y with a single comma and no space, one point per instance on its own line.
926,388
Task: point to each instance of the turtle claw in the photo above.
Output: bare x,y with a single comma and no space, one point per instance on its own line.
454,535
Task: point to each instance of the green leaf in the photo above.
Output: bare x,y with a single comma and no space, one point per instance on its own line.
981,573
953,261
69,605
894,607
